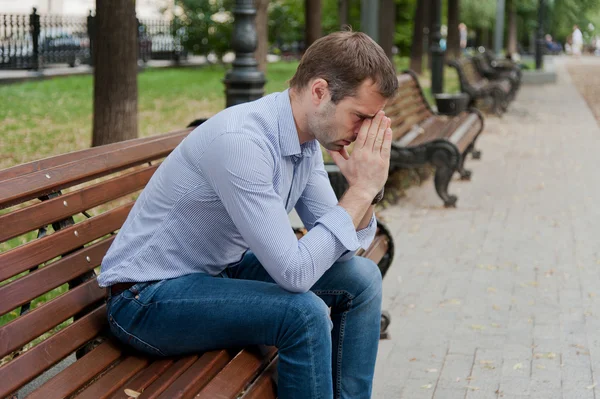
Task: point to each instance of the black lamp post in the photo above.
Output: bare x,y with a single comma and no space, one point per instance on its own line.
244,82
539,48
436,51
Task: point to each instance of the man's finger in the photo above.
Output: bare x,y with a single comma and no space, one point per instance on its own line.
387,144
344,153
362,134
374,130
380,133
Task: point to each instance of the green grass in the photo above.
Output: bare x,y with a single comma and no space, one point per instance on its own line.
45,118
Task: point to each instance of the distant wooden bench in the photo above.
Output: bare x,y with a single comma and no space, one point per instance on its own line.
500,91
59,216
422,136
487,70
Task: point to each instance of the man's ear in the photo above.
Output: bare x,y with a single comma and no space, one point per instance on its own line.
319,91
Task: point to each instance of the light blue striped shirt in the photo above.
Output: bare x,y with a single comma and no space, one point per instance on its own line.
229,187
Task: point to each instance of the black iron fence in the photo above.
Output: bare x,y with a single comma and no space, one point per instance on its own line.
37,41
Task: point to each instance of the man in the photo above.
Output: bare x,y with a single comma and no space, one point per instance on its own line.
577,41
207,258
462,34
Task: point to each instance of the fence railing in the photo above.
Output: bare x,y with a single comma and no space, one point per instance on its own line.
36,41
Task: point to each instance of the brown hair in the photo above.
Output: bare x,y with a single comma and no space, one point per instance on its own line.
345,60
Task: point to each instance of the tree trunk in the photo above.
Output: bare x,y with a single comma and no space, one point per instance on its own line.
343,12
453,41
387,26
262,33
312,8
512,28
416,50
115,72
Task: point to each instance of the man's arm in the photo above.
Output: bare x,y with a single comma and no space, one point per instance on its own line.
318,198
240,170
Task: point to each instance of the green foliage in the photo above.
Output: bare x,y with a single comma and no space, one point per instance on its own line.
566,13
405,15
206,25
478,13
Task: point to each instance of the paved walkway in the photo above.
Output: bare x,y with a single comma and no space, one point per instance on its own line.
499,297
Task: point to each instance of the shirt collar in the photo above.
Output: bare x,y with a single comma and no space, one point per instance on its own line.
288,134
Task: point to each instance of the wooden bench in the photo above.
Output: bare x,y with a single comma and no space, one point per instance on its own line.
59,216
485,69
422,136
500,92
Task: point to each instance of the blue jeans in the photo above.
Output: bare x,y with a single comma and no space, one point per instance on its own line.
320,355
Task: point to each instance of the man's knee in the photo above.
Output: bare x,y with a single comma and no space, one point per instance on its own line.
310,309
364,275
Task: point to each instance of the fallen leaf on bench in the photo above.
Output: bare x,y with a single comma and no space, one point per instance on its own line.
132,393
491,290
427,386
472,388
591,386
431,370
477,327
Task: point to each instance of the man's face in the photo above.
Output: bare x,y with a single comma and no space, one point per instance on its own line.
336,125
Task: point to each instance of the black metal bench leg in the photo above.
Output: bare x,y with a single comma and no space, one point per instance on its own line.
465,174
386,319
446,162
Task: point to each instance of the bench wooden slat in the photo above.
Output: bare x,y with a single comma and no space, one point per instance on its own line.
467,123
167,378
197,376
114,379
38,251
144,378
264,387
36,184
413,134
33,324
435,130
41,214
377,250
405,79
398,105
79,373
42,164
468,137
43,356
49,277
400,128
236,375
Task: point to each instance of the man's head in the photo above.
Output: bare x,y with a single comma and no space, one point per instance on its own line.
575,27
343,78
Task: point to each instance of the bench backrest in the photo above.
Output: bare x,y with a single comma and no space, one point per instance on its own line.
471,80
409,107
85,196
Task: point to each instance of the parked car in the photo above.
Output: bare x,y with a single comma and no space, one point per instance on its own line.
55,47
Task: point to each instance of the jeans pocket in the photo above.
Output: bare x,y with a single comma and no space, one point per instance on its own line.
143,292
130,339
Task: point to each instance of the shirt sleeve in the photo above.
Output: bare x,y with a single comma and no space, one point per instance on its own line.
318,198
240,170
